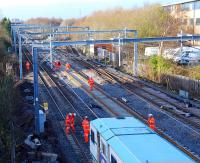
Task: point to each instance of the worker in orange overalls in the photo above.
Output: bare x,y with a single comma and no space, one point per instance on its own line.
91,83
68,123
57,65
72,121
151,122
28,65
68,66
86,128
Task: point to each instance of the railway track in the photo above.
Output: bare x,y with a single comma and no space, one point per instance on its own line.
113,79
143,119
73,138
176,110
78,146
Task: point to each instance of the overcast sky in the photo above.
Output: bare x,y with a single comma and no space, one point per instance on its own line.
25,9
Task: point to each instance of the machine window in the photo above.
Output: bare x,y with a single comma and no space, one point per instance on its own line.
197,21
113,160
197,5
191,21
92,136
186,6
103,148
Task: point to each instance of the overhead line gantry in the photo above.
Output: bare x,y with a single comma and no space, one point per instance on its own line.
28,35
46,45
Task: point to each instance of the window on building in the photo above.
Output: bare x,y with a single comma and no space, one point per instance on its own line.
197,5
186,6
191,21
168,8
197,21
113,160
92,136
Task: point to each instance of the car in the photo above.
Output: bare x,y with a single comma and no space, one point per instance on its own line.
188,57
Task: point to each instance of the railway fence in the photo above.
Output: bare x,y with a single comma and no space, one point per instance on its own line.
177,82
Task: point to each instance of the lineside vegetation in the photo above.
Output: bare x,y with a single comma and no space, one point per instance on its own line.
8,94
150,21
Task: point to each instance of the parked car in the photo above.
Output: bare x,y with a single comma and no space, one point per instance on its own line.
188,57
170,53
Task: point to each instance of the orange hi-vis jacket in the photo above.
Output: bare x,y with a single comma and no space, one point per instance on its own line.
152,123
86,126
86,129
91,81
72,119
68,120
68,66
57,64
67,123
27,65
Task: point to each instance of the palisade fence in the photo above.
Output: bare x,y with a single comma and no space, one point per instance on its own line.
177,82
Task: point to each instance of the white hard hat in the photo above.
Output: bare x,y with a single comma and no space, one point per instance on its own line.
74,114
86,117
150,115
70,113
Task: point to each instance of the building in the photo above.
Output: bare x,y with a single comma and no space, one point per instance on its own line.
188,14
16,21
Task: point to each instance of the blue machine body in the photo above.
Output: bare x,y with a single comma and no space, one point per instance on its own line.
134,142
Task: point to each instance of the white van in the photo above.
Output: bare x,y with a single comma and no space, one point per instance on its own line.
172,53
188,57
150,51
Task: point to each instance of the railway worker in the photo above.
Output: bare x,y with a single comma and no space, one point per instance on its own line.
68,66
86,128
58,64
151,122
91,83
68,123
28,65
72,121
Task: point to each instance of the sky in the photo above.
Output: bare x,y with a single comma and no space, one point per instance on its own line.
25,9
